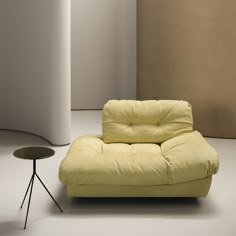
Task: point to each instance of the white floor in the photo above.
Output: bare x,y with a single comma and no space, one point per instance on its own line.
213,215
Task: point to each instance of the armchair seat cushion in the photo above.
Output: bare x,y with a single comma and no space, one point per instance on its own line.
185,158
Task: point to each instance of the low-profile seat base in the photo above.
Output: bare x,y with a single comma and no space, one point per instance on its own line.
196,188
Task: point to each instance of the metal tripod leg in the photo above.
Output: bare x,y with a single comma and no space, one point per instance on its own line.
27,191
26,218
49,192
30,186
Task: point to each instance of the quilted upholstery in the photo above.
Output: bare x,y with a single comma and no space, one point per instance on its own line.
152,121
90,161
147,149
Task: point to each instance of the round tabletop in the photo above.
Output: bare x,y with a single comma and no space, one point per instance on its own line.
34,153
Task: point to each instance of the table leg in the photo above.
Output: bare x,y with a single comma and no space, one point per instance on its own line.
29,201
49,192
27,191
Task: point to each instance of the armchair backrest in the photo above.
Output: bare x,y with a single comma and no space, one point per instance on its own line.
150,121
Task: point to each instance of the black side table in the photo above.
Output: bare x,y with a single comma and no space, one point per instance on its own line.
34,153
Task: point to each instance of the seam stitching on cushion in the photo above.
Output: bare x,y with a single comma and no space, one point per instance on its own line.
164,117
167,162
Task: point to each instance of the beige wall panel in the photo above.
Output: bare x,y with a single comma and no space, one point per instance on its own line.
187,50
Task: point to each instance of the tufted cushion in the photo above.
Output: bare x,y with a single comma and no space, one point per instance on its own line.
150,121
186,158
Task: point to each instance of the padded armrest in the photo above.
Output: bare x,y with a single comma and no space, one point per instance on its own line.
189,157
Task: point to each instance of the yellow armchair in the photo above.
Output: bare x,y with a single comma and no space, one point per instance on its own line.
147,149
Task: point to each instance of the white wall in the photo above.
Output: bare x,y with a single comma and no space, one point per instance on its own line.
103,52
35,68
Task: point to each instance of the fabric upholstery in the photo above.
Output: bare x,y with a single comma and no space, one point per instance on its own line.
147,149
150,121
196,188
182,159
